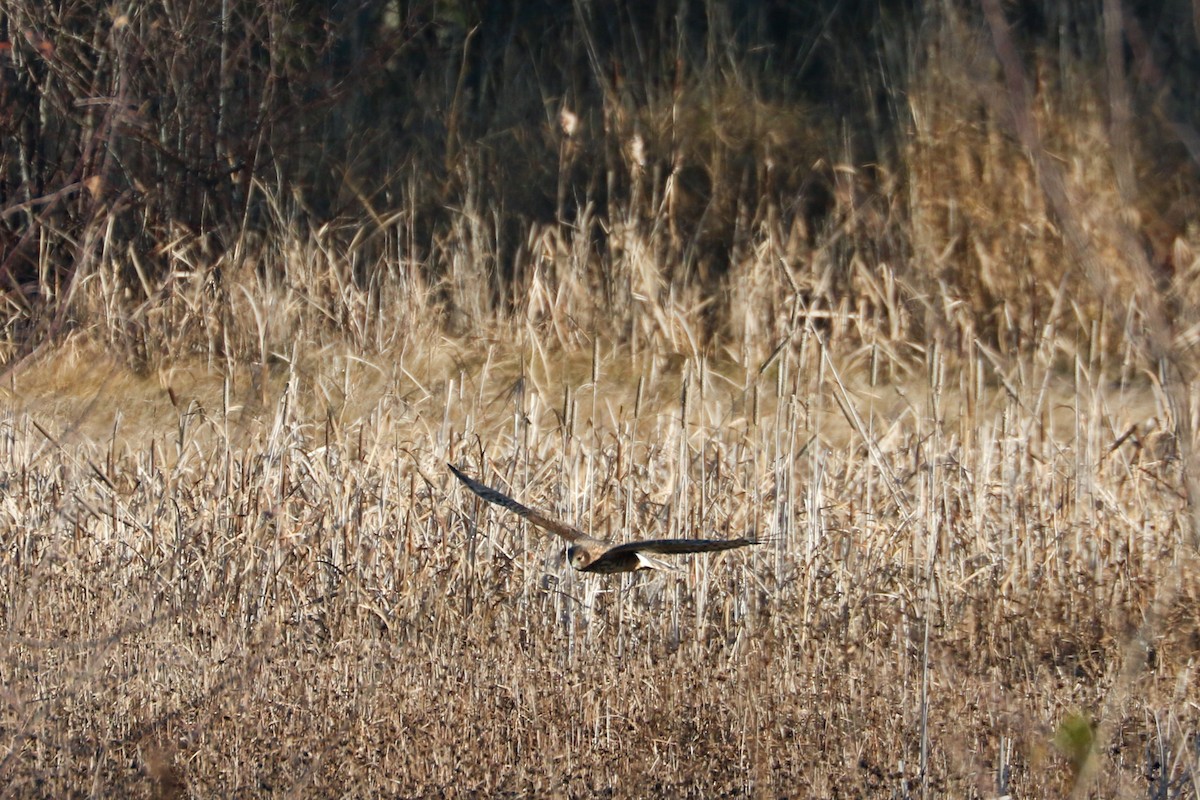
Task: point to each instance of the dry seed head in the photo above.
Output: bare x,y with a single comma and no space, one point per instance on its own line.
569,122
637,151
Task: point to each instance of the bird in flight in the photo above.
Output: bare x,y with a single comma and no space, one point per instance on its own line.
589,554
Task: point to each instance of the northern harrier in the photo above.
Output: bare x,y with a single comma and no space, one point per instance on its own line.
588,554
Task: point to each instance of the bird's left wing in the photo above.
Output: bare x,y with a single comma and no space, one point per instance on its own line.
532,514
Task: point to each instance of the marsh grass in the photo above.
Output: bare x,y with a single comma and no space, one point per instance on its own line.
276,587
234,563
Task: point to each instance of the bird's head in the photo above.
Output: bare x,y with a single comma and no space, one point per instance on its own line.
579,556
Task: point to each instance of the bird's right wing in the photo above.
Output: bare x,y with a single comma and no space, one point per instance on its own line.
533,515
669,546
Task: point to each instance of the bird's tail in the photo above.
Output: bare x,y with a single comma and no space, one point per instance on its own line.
650,562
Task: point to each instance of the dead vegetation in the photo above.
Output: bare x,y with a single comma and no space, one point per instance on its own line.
234,564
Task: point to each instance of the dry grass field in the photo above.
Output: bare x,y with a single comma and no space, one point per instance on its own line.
950,383
977,579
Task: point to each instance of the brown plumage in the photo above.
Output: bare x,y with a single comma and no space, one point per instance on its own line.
589,554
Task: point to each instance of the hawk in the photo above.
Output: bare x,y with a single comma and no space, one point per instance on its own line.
589,554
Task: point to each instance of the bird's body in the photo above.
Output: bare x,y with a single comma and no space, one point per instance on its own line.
589,554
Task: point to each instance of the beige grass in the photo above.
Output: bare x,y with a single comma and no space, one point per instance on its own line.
233,563
290,602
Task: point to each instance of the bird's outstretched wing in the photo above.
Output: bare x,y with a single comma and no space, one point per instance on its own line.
669,546
635,555
533,515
